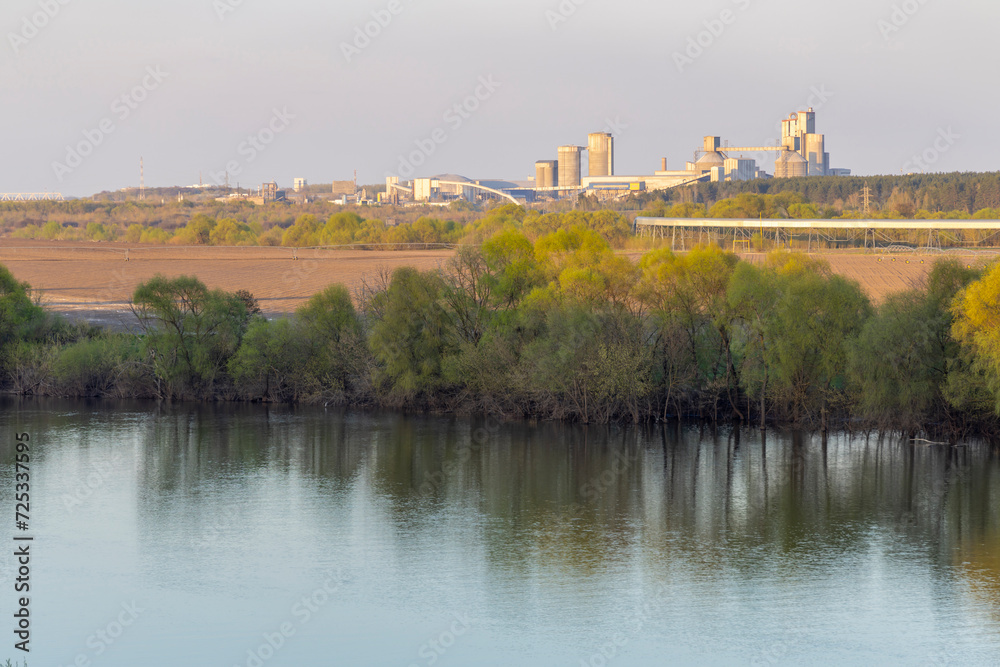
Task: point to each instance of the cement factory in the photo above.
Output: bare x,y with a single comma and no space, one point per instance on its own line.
801,153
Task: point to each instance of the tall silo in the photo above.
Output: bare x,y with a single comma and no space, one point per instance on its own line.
546,174
790,165
570,166
708,161
602,154
815,154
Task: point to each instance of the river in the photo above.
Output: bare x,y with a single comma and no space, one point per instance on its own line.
254,535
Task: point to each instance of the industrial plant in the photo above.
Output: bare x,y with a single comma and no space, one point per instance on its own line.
801,153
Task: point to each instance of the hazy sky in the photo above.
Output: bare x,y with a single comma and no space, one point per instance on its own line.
890,81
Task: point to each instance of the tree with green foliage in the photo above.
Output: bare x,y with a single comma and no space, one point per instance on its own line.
231,232
18,315
686,298
510,259
198,231
412,339
190,331
106,365
976,327
797,319
900,362
339,352
274,363
815,317
305,232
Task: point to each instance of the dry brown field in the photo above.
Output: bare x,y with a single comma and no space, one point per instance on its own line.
81,277
878,275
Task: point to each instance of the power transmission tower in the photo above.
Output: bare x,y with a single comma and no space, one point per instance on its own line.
866,207
142,181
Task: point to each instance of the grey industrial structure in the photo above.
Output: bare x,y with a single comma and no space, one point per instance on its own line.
801,153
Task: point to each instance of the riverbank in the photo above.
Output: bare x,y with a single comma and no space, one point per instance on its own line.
563,328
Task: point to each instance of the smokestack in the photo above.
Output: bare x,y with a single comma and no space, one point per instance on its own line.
664,164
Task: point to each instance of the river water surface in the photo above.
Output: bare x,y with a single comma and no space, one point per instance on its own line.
252,536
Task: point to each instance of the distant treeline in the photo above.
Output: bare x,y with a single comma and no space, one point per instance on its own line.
339,228
891,196
930,196
560,327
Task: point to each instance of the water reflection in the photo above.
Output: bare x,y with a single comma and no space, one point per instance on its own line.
689,524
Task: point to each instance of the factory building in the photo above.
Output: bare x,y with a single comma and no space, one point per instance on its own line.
798,134
800,153
739,169
341,188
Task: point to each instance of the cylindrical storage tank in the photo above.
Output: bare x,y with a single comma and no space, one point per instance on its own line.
546,174
815,151
709,160
791,165
570,166
602,154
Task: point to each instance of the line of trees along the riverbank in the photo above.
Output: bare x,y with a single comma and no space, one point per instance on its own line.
559,328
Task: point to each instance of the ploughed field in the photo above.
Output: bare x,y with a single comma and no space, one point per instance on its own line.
94,281
879,274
